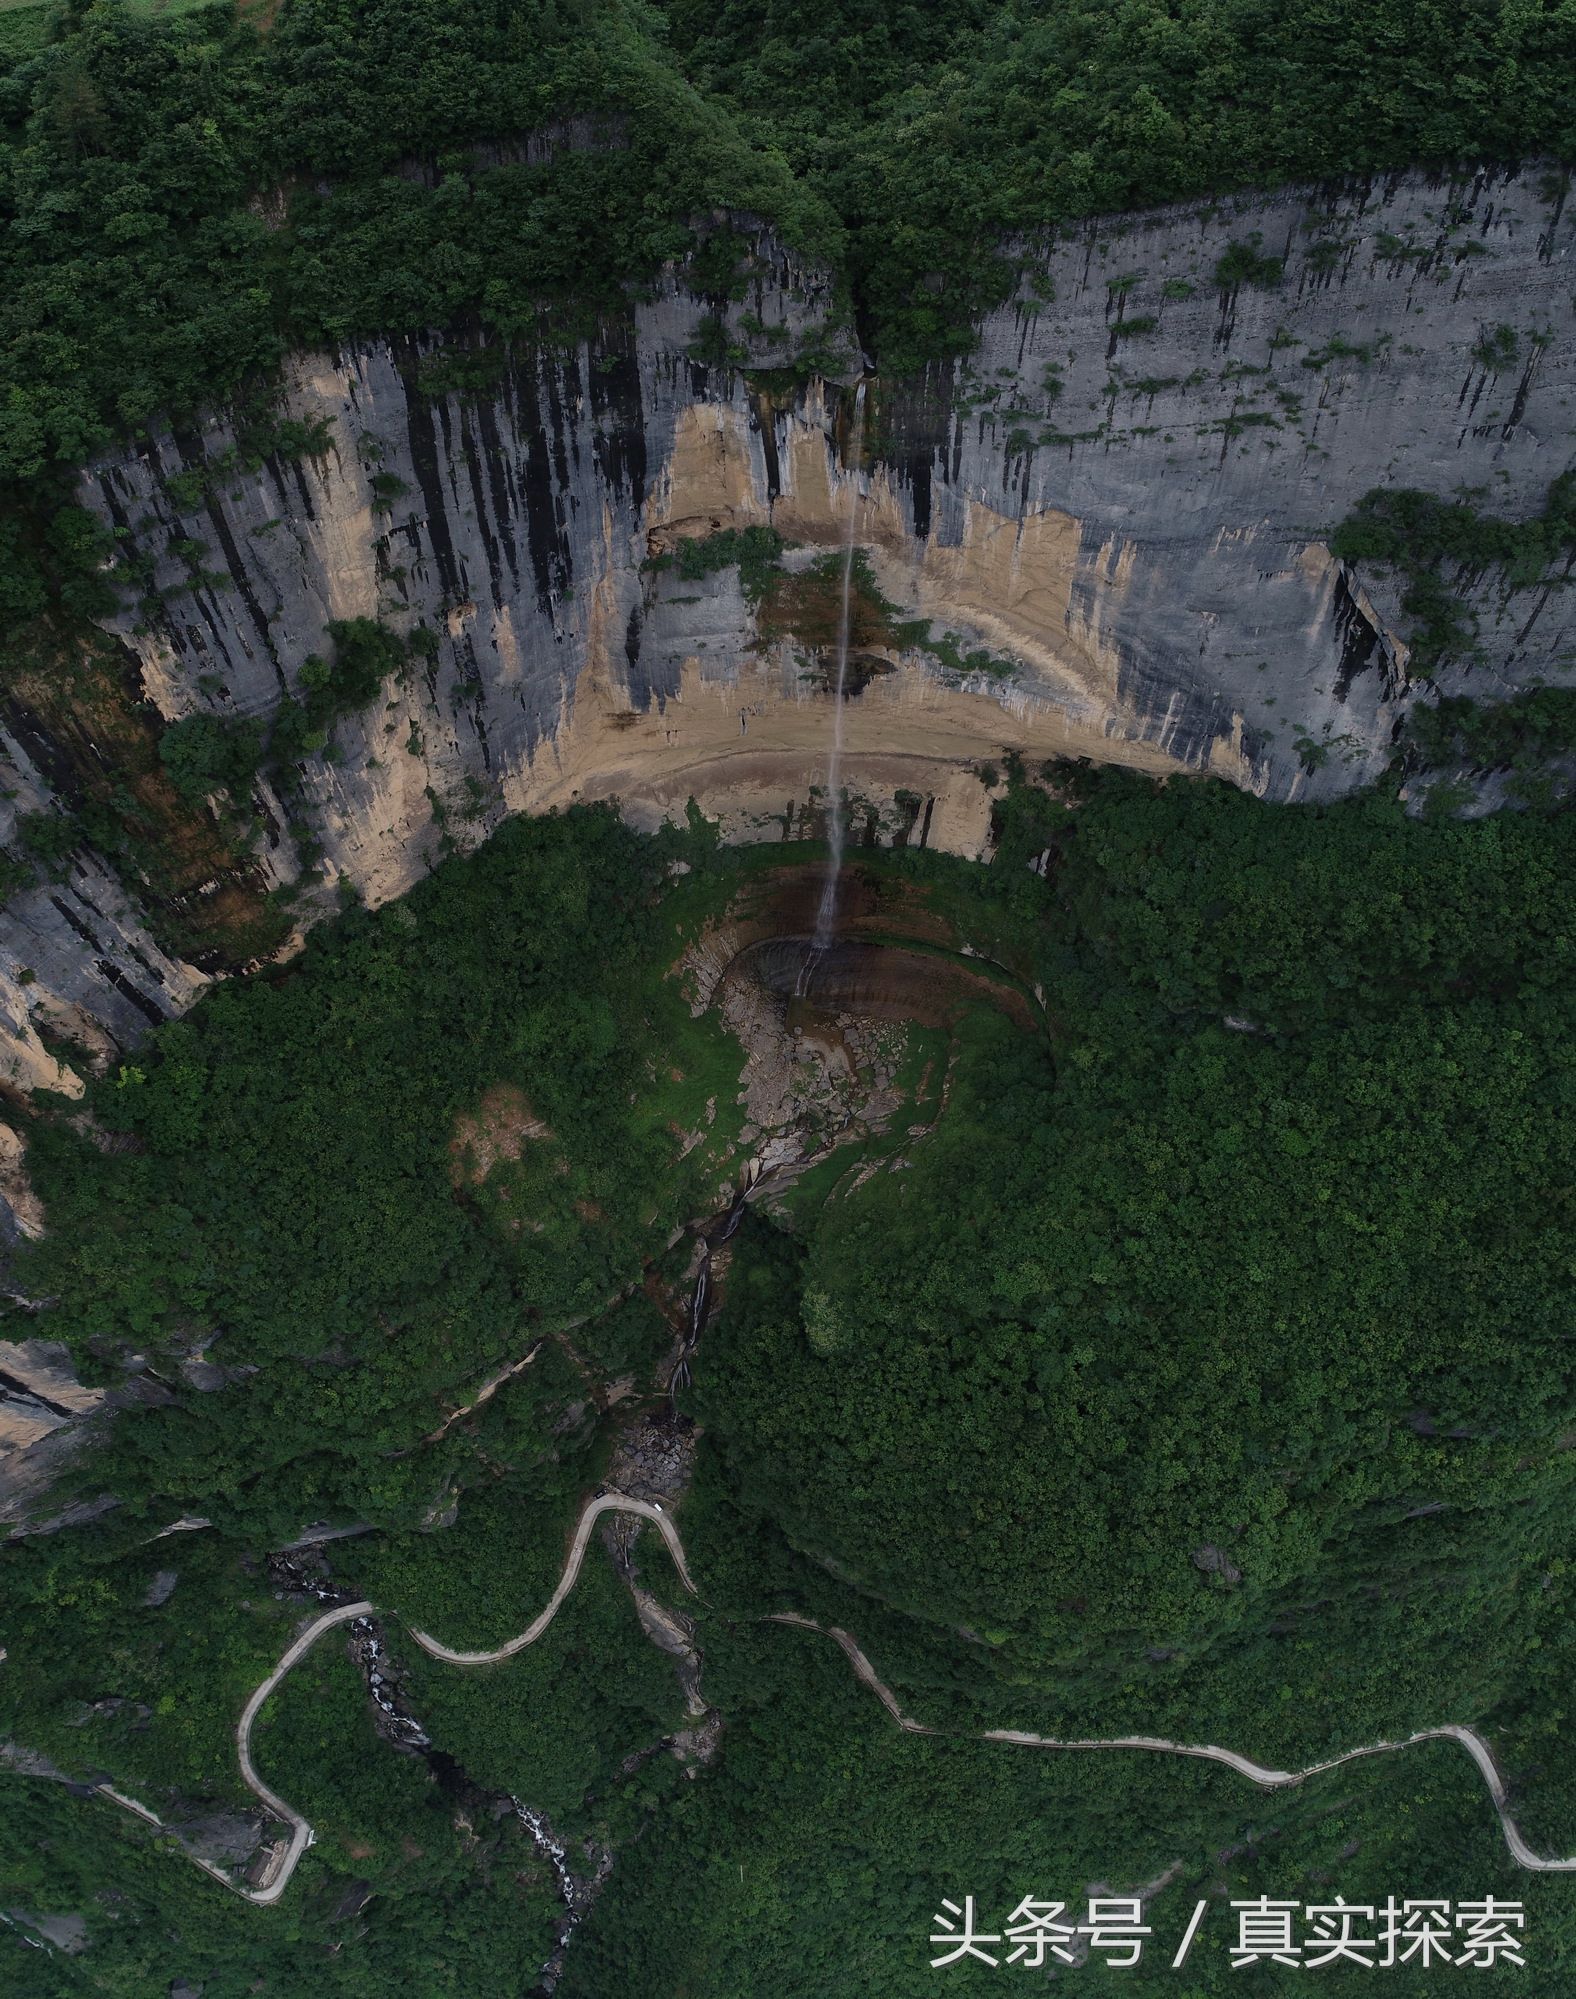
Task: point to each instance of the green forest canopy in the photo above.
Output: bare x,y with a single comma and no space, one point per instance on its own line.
1268,1254
1311,1073
188,194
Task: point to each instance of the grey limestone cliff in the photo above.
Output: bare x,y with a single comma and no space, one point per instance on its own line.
1124,499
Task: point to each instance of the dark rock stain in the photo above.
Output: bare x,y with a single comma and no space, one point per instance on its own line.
551,560
429,479
240,577
152,1012
1356,636
618,416
479,492
1518,408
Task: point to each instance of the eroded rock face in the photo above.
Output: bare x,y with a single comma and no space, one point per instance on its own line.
44,1410
1204,439
1124,499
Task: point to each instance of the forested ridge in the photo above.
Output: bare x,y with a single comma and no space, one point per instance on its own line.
188,193
297,1172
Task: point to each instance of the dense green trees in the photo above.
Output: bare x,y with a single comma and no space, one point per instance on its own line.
1525,734
186,198
1228,1352
1203,1372
205,754
935,131
816,1858
292,1196
1435,544
312,1186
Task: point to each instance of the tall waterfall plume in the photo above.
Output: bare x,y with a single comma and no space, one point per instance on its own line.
826,913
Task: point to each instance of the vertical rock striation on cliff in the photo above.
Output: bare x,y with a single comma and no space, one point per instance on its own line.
1115,517
1205,391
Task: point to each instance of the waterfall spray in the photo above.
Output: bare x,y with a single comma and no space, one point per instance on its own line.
826,914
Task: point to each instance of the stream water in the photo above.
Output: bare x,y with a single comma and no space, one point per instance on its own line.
826,914
403,1729
711,1237
303,1572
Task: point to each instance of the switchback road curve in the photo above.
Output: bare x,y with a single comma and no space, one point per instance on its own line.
287,1856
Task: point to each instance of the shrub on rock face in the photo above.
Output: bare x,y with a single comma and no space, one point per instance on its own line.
205,754
1246,264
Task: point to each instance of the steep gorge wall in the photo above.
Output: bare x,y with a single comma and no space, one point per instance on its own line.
1126,493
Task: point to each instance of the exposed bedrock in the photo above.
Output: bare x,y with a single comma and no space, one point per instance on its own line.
1123,499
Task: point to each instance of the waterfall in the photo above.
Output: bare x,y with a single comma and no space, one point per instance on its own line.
700,1297
826,914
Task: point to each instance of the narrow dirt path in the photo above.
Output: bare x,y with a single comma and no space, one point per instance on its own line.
486,1392
288,1856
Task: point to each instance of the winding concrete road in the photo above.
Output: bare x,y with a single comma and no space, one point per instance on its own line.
1257,1773
287,1855
610,1502
277,1877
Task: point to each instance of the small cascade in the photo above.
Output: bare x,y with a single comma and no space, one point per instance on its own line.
370,1653
702,1294
826,914
576,1894
400,1727
304,1572
712,1236
550,1846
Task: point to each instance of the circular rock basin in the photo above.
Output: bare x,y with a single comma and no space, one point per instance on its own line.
887,981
